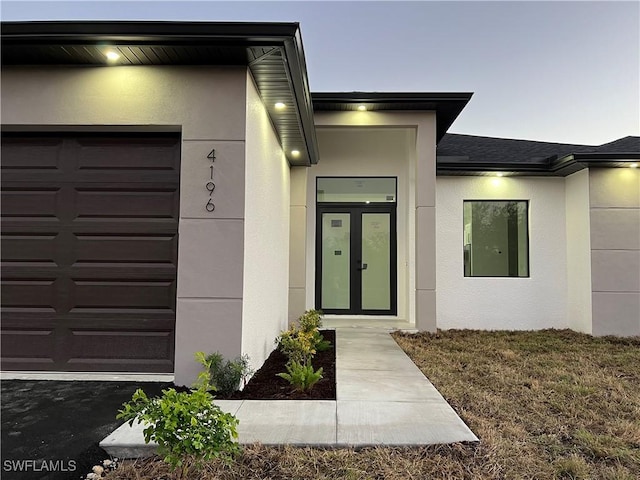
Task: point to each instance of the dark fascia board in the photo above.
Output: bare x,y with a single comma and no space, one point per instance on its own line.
553,166
596,157
298,74
447,105
285,35
153,31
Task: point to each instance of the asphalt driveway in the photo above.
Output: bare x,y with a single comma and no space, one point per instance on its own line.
54,426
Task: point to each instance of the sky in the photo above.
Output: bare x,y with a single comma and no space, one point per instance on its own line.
551,71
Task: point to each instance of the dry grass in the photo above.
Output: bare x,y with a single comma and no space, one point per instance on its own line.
546,405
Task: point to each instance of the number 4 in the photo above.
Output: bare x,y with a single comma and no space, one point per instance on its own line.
212,155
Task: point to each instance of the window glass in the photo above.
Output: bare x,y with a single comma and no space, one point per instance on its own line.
496,239
356,189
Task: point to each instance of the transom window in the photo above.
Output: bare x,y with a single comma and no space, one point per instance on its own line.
496,238
356,190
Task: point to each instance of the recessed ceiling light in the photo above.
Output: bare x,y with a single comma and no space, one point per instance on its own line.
634,165
280,105
295,153
111,55
362,108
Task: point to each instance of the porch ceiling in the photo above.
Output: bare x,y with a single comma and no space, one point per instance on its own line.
272,51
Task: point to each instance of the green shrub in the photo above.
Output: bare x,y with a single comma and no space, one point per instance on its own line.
186,426
301,342
302,377
297,345
310,320
223,376
320,344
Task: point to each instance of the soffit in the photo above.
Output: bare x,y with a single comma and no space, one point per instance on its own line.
447,106
272,51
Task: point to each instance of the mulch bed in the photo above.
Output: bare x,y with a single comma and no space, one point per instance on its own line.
266,385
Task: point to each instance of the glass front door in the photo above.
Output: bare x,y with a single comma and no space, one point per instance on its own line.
356,260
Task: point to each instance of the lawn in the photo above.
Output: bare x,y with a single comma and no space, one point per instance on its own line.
548,404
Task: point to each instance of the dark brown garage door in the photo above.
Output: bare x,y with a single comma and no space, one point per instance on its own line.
89,251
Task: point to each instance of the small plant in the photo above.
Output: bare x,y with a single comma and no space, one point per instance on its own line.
300,343
186,426
220,375
297,345
310,320
302,377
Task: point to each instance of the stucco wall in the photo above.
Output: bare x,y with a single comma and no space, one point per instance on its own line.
364,152
266,234
578,252
503,303
298,243
207,105
418,270
615,250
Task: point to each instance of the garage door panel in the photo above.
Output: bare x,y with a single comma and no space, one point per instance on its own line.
131,204
126,248
29,203
98,155
30,247
41,351
122,294
30,153
29,293
89,251
142,344
124,226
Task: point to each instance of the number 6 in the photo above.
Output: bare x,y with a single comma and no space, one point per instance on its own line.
210,206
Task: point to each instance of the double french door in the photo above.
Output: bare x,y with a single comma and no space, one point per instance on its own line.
356,259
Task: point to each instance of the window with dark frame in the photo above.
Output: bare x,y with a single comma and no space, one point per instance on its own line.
496,238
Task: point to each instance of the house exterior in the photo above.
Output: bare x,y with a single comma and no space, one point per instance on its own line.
175,187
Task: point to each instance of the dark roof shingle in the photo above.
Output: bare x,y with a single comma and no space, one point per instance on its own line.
479,149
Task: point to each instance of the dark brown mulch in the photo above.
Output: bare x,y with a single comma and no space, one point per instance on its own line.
266,385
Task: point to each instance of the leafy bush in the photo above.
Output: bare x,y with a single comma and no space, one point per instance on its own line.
297,345
320,344
186,426
223,376
301,342
310,320
302,377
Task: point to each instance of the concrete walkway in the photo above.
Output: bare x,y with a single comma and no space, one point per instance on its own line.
382,399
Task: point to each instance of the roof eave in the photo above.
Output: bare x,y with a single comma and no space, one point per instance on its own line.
560,167
447,105
284,35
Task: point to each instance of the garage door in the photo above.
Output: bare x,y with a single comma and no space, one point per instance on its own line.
89,251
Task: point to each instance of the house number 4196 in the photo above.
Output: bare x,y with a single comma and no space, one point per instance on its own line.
210,186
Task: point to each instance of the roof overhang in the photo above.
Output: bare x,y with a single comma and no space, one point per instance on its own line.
552,166
273,53
447,106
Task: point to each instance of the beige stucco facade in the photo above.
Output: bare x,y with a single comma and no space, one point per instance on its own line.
614,211
247,268
223,304
393,144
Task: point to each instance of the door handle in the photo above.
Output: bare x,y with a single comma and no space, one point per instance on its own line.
363,267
